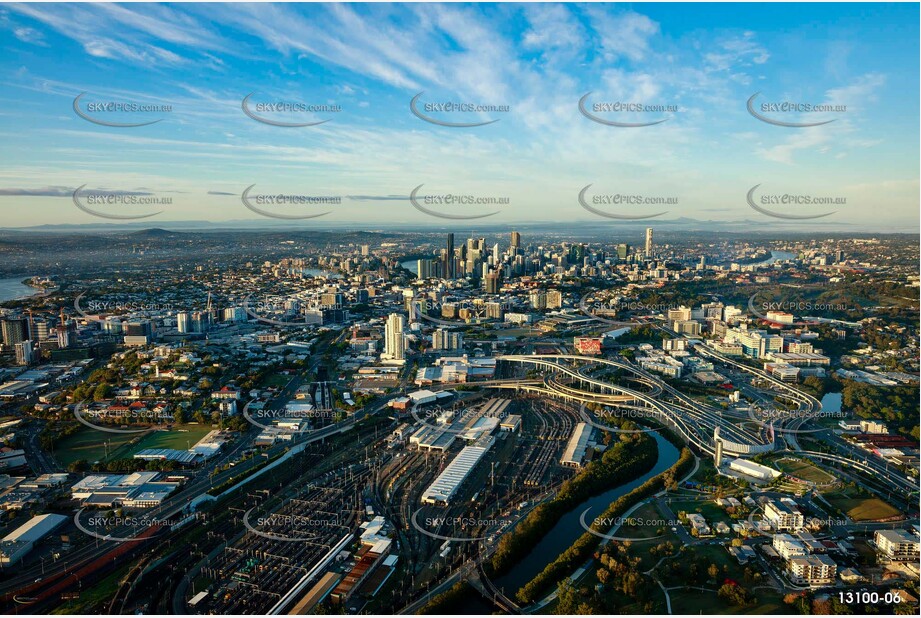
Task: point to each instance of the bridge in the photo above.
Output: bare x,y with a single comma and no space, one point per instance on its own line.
695,422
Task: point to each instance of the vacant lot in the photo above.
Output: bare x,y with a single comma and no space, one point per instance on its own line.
860,508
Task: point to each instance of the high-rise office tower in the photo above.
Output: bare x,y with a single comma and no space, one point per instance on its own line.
623,249
538,299
491,283
425,269
24,353
184,322
648,241
446,340
516,241
449,257
65,333
13,330
394,340
40,329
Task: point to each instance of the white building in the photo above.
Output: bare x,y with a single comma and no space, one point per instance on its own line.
394,339
814,570
783,517
18,543
897,545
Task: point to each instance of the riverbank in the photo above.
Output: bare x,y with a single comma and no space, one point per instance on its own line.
15,288
554,526
582,549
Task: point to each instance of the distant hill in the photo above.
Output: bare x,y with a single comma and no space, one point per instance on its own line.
153,232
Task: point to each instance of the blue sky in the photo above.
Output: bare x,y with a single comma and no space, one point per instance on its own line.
539,60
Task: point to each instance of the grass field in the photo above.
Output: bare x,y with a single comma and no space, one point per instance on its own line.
706,602
861,509
804,470
90,444
711,511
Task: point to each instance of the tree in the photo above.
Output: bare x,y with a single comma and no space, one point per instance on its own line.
79,465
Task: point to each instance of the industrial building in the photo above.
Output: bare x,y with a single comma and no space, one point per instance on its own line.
511,423
753,470
452,477
137,490
18,543
577,446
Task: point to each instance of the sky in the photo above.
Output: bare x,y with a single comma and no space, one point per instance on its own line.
701,152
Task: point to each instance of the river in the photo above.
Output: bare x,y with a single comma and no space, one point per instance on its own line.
14,289
411,265
568,529
831,402
319,272
777,256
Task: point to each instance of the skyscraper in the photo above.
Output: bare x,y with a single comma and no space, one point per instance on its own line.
394,341
13,330
491,283
184,322
425,269
449,257
623,249
648,241
24,353
516,240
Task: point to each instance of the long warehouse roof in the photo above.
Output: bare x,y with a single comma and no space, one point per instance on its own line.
447,483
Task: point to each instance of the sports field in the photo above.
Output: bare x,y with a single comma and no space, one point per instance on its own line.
804,470
92,445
